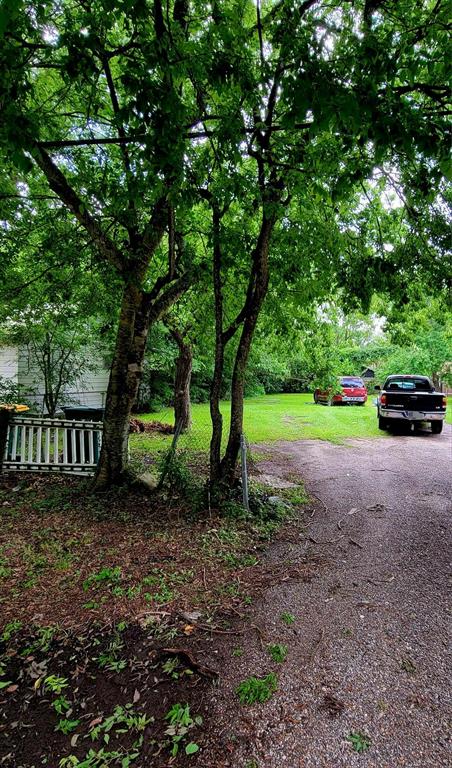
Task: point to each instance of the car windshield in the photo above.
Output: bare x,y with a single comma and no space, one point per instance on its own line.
409,385
351,381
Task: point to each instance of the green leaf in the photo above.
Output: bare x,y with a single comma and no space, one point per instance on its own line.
191,748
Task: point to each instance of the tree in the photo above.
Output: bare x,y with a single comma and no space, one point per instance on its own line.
333,93
135,114
421,335
50,300
96,103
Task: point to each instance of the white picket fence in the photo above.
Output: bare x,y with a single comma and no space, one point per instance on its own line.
52,445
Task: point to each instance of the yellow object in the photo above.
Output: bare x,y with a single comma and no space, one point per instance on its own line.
16,407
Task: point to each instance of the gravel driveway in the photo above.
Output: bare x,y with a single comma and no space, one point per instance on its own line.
368,652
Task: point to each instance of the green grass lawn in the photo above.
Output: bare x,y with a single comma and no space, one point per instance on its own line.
273,417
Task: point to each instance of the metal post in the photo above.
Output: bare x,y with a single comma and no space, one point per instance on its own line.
244,473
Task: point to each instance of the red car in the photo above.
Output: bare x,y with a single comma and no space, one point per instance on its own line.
353,391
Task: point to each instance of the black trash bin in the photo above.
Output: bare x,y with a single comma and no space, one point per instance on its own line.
83,413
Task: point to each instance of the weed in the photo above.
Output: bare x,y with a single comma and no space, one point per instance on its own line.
61,705
100,759
287,618
5,570
257,689
122,720
347,633
358,740
278,652
180,723
232,589
106,576
238,652
239,561
170,667
91,605
296,496
108,659
67,726
55,684
12,628
43,641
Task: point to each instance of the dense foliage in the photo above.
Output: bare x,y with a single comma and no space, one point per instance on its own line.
272,157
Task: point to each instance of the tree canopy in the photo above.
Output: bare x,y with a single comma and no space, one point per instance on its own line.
257,143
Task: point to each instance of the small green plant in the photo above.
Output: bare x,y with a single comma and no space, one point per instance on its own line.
5,570
296,496
123,720
12,628
67,726
108,659
100,758
288,618
170,667
359,741
257,689
106,576
61,705
43,641
278,652
238,652
239,561
55,684
180,723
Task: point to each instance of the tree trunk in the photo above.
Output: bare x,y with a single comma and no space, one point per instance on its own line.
215,390
182,379
125,375
139,310
260,279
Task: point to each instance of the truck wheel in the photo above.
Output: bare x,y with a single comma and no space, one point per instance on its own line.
382,423
437,427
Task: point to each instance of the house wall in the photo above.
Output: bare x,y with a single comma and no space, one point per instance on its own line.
88,389
9,362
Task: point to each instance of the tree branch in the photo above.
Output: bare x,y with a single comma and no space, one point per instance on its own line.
60,185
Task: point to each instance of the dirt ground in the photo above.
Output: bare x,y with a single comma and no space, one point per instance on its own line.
368,650
355,587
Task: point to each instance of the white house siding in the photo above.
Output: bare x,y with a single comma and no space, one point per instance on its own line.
9,362
89,389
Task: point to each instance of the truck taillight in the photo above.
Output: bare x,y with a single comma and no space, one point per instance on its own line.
383,400
444,402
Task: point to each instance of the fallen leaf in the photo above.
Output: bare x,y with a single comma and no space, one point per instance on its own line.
94,722
12,688
136,696
188,629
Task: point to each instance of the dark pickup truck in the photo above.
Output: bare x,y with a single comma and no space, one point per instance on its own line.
410,399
